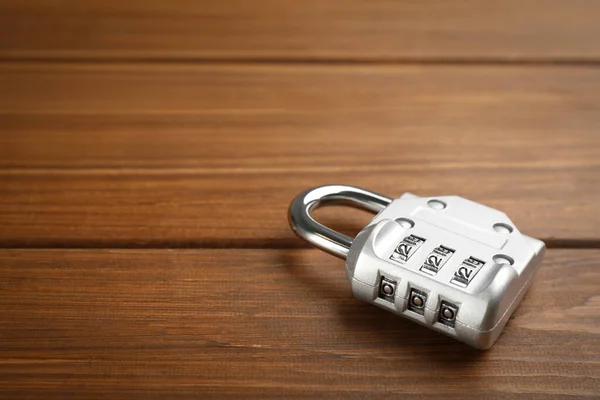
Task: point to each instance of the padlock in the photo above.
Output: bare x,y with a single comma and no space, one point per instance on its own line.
453,265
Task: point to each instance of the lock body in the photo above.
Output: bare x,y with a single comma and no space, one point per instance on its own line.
450,264
453,265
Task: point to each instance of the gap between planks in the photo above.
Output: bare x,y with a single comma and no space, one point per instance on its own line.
244,244
7,59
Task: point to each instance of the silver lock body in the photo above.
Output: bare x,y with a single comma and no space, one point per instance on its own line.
458,262
453,265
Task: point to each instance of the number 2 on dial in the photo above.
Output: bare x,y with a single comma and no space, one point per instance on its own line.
464,273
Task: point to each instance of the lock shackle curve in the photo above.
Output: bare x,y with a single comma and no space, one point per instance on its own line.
320,236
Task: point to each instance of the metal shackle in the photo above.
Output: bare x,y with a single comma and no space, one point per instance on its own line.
320,236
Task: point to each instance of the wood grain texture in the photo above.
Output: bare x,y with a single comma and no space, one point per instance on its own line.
312,30
272,324
154,155
150,124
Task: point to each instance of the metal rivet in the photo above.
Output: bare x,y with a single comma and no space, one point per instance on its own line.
503,259
405,223
417,301
436,204
502,228
448,314
387,289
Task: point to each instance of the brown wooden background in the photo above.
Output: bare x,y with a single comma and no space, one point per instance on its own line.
149,151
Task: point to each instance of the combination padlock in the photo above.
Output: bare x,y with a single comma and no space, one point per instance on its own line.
453,265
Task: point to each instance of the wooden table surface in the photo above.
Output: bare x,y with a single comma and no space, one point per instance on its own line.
149,151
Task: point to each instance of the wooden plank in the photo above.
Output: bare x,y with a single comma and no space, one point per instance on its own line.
272,324
316,29
156,155
249,210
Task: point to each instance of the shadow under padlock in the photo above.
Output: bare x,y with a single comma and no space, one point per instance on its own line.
358,325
